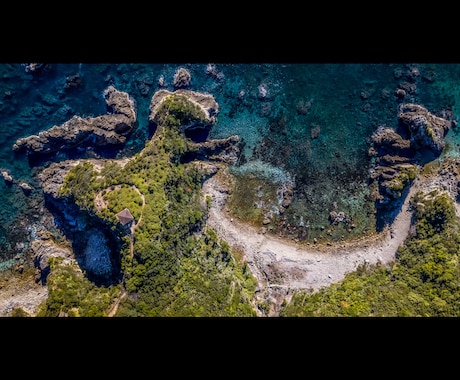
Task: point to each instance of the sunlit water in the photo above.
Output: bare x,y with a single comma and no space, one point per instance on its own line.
310,121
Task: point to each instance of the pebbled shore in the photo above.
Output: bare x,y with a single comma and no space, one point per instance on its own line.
282,266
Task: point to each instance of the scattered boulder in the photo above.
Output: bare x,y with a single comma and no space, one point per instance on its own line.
7,177
26,188
182,78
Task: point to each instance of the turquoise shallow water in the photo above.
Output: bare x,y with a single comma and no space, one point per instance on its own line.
309,121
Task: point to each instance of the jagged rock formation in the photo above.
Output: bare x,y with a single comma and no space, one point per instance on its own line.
109,129
52,177
43,250
226,150
182,78
397,154
426,130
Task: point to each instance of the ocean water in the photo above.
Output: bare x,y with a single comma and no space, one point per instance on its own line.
310,122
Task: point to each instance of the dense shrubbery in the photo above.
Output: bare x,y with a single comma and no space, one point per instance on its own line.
79,185
124,196
177,268
71,294
180,268
423,281
177,110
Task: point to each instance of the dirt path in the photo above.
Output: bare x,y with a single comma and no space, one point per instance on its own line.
114,307
134,225
282,266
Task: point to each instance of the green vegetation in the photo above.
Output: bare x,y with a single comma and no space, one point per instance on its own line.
73,295
79,185
177,268
252,198
19,312
177,110
423,281
405,176
124,196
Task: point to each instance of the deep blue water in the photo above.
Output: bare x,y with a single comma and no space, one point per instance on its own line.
345,102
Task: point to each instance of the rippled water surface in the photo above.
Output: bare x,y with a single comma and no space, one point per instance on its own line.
310,122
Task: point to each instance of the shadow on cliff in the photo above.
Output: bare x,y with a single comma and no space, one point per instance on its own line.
95,246
82,151
387,213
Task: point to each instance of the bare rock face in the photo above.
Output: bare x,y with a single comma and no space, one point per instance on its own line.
52,177
426,129
182,78
108,129
224,150
43,251
396,159
388,141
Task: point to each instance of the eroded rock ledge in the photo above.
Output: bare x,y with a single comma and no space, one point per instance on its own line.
398,153
109,129
205,102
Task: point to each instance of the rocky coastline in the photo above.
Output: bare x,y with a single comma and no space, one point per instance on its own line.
91,244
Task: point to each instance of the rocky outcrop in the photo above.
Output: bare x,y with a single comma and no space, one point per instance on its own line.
206,103
396,154
95,244
224,150
109,129
26,188
426,130
182,78
91,242
8,178
43,251
52,177
388,141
